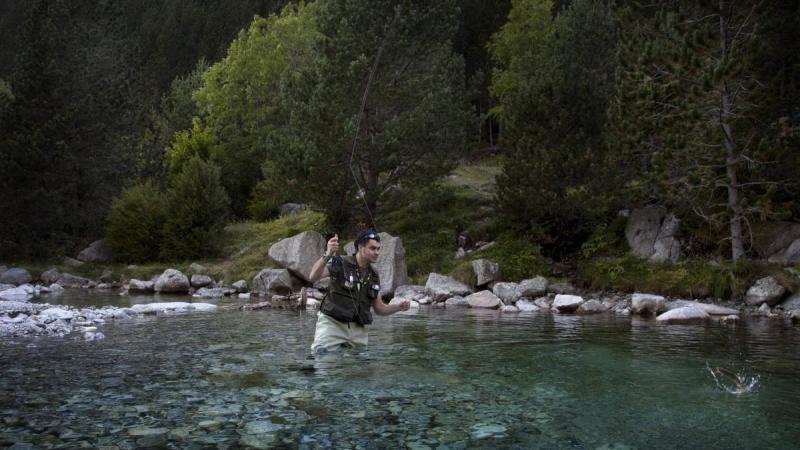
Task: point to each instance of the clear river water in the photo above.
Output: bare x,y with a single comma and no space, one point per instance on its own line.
436,379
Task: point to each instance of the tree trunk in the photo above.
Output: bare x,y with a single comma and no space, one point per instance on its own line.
731,159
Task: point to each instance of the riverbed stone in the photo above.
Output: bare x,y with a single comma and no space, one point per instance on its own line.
441,287
97,251
153,308
526,305
54,313
20,293
271,282
483,299
209,293
507,292
69,280
710,308
592,307
486,271
684,314
200,281
240,286
456,300
792,302
647,304
544,302
509,309
141,285
172,281
766,290
16,276
50,276
533,287
565,303
298,253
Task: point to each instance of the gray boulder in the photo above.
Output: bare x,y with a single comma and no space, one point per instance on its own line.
200,281
205,292
69,280
97,251
592,307
653,233
534,287
299,252
709,308
483,299
16,276
509,309
172,281
456,301
766,290
141,285
391,264
791,303
50,276
240,286
271,282
507,292
525,305
485,271
647,304
685,314
441,287
567,303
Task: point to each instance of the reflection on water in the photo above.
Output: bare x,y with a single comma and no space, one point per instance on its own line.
438,379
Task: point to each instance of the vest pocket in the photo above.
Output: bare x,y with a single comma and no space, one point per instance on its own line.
339,306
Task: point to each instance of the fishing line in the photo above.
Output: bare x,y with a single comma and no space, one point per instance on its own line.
361,114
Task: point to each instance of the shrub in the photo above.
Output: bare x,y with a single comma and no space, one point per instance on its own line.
134,223
197,142
198,210
518,258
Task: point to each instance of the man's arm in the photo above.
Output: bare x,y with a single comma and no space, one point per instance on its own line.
382,309
318,270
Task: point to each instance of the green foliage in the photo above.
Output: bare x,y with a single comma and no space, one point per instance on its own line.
198,210
517,257
240,98
135,222
553,82
197,142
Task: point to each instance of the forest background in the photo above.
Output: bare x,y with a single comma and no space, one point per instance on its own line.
156,124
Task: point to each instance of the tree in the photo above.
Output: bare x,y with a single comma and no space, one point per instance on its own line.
396,60
553,84
689,111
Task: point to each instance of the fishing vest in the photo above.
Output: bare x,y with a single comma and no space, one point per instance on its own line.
350,295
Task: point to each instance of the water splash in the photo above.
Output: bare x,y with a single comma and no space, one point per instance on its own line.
732,382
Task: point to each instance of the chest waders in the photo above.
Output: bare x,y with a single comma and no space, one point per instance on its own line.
351,293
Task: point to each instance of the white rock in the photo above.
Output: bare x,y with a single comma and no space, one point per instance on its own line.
240,286
711,309
441,287
20,293
456,301
525,305
685,314
592,307
509,309
507,292
151,308
647,304
313,303
54,313
244,296
209,293
534,287
567,303
483,299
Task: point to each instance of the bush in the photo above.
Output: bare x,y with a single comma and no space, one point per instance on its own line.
198,210
134,223
518,258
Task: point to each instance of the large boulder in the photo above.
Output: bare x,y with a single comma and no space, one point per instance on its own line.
567,303
391,264
647,304
200,281
271,282
16,276
684,314
483,299
534,287
50,276
766,290
441,287
653,233
507,292
97,251
299,252
69,280
485,271
172,281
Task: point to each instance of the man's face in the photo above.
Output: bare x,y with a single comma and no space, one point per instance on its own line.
370,250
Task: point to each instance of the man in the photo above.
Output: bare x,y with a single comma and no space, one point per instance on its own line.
355,287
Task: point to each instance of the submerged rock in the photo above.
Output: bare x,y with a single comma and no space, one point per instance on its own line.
710,308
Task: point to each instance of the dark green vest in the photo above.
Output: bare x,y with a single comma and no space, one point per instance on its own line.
350,294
